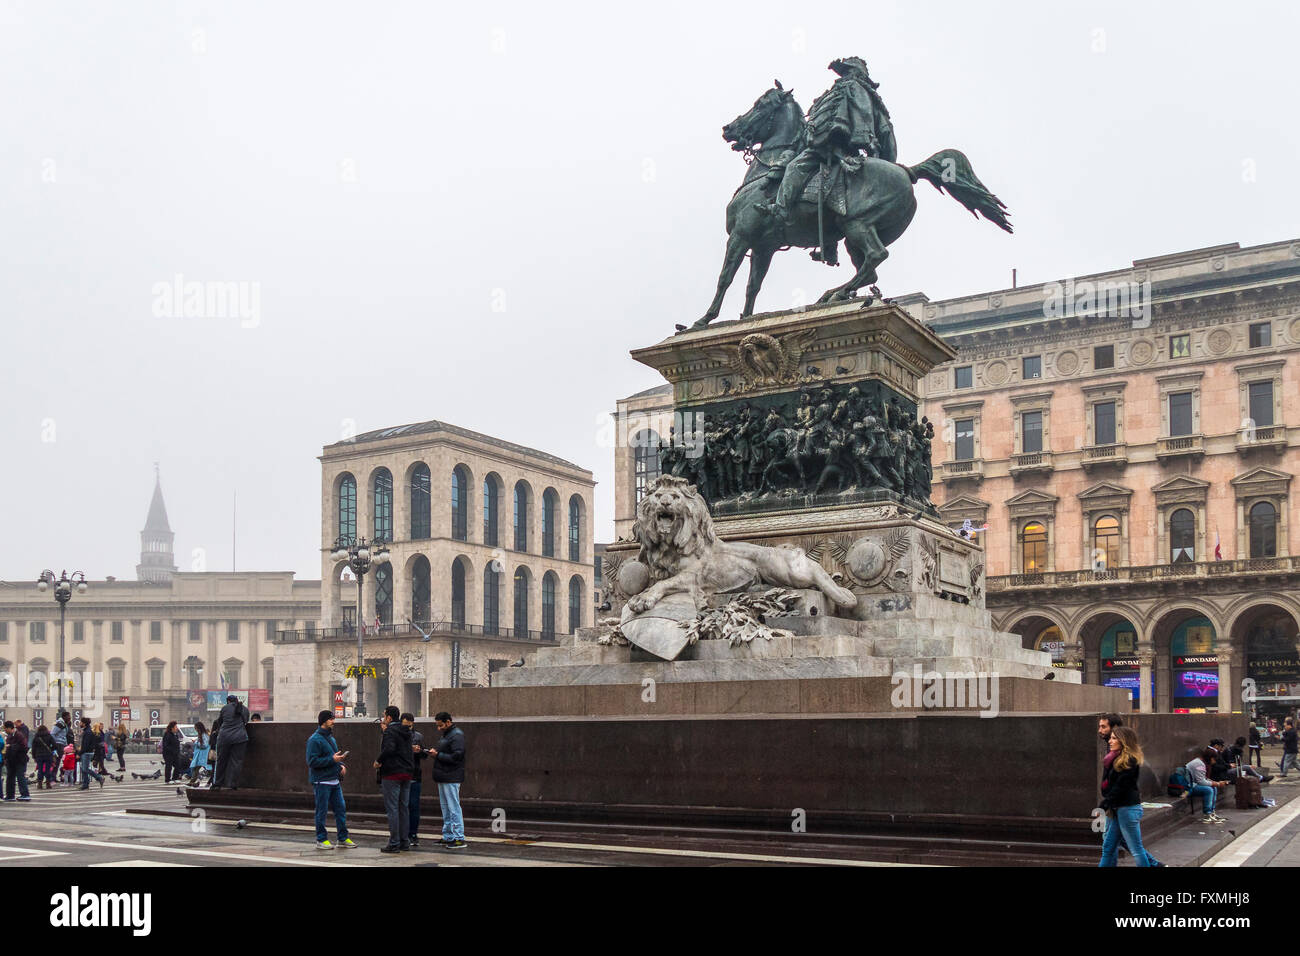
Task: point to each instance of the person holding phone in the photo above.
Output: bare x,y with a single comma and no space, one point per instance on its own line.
325,772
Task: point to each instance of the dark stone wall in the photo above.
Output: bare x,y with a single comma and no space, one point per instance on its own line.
1035,766
821,695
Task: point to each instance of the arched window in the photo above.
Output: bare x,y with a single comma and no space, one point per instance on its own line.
645,458
1105,543
382,491
521,602
1033,548
384,593
549,581
490,511
491,599
347,510
1182,537
550,504
575,528
421,508
1050,640
575,604
458,593
521,516
459,503
420,591
1263,530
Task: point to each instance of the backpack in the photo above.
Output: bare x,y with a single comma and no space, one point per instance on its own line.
1180,781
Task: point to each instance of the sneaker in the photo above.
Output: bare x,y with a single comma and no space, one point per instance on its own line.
24,799
415,841
456,845
404,846
1208,819
348,844
389,849
324,845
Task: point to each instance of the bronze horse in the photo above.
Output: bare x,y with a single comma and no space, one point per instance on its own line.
879,201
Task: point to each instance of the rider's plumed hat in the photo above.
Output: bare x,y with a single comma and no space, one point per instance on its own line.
845,64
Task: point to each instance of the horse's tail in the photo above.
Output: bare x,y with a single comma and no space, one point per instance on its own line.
950,170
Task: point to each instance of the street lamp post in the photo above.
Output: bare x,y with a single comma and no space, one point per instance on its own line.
63,586
360,558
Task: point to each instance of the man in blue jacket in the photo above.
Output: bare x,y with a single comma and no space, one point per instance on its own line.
325,771
449,774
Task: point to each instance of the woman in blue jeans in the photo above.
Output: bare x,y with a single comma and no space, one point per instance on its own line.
1121,800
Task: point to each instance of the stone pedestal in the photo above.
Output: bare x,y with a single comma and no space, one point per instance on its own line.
736,383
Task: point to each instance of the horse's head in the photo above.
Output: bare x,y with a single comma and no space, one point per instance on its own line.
751,128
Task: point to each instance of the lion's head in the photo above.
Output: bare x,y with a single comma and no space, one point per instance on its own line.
672,521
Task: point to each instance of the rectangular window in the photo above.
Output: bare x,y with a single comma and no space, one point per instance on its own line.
1180,346
1031,432
232,632
155,678
194,677
965,449
1103,423
1261,335
268,676
1103,356
1180,414
1032,367
1261,403
963,376
78,631
232,675
4,632
116,678
270,631
115,632
36,631
196,631
155,632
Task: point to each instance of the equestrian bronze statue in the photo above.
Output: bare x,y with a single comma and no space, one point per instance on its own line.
812,182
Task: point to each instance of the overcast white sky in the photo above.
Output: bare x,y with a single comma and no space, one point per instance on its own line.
472,212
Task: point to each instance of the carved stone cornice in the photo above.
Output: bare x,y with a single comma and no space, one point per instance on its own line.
1181,489
1032,504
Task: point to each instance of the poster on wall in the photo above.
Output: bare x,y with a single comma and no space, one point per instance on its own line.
1129,682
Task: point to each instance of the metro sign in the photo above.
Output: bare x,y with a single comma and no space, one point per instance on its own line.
124,703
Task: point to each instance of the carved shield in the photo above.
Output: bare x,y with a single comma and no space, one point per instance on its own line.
662,629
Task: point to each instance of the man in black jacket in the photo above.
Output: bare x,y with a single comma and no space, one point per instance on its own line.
449,774
16,760
231,735
396,767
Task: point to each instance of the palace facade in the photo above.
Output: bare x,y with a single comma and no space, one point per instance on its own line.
1129,440
491,556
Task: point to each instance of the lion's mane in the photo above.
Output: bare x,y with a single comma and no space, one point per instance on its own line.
692,531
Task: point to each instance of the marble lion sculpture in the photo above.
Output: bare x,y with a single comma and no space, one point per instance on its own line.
684,554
